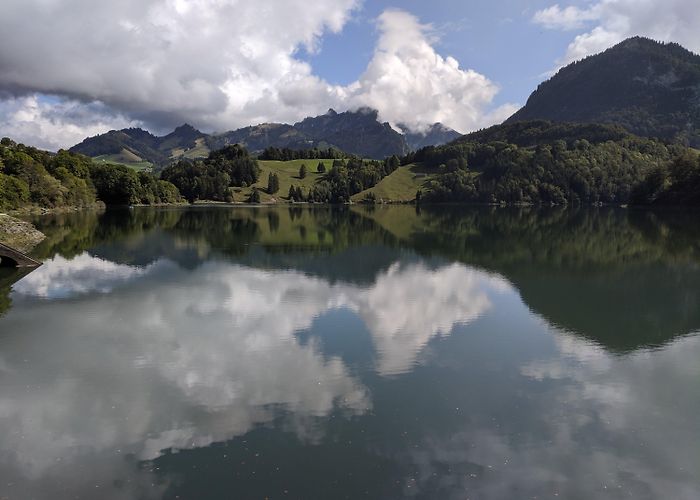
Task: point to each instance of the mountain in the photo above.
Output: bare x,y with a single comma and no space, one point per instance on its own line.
259,137
356,132
650,88
135,145
436,135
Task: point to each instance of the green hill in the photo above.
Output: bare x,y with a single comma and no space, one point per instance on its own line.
650,88
288,174
401,185
140,149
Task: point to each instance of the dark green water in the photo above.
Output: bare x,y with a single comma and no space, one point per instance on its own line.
348,353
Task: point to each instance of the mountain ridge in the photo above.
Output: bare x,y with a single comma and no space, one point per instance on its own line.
356,132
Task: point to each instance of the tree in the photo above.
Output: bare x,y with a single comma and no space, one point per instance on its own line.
273,183
370,198
321,169
302,171
392,163
254,196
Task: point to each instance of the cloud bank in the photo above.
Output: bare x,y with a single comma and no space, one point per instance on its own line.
611,21
218,64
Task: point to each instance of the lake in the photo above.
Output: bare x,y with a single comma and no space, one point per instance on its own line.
354,352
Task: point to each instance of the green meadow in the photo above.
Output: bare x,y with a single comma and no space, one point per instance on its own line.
288,173
120,160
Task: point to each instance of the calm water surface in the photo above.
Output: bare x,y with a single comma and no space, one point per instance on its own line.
354,353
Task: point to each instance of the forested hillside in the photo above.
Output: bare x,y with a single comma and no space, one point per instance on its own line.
650,88
542,163
31,177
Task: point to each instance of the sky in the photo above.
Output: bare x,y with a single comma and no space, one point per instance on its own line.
76,68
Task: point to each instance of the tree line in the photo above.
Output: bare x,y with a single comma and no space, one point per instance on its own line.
29,176
593,165
287,154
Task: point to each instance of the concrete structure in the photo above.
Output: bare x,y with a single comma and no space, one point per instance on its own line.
9,257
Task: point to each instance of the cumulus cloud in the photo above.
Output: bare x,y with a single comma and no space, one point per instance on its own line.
410,83
218,64
614,20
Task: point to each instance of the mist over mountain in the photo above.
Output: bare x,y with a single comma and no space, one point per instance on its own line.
435,135
650,88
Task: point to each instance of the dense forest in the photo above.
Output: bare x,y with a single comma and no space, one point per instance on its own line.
212,178
31,177
542,163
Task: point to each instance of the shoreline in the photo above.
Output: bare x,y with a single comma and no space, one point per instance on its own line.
18,234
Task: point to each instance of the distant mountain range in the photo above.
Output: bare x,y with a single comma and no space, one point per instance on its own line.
652,89
356,132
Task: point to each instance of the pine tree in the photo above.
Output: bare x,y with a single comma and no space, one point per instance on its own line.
273,183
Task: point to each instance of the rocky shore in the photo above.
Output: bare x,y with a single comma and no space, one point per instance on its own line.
19,234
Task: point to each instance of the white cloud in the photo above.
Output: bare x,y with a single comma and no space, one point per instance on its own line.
53,125
218,64
411,84
568,18
616,20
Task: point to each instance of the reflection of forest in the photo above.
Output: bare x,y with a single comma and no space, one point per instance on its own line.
624,278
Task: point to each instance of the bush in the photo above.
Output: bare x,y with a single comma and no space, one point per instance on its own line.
14,192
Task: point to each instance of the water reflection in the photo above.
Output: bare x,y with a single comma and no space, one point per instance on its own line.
210,354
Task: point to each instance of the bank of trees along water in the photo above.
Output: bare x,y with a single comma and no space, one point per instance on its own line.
31,177
537,163
561,164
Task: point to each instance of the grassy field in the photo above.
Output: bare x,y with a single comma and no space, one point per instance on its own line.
199,151
120,160
401,185
288,173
